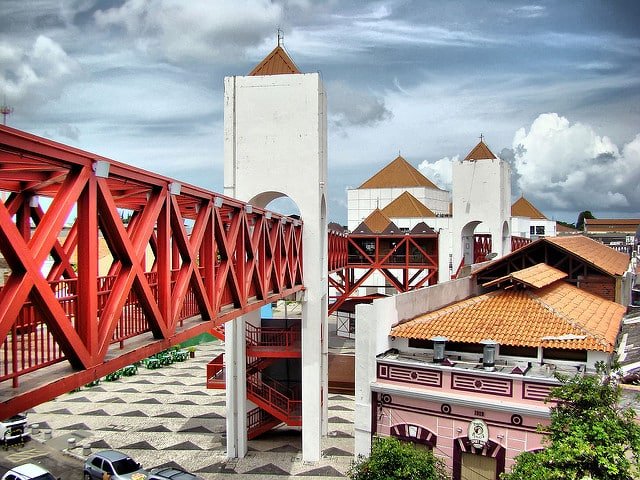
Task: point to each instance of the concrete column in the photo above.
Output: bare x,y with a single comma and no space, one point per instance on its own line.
236,386
365,374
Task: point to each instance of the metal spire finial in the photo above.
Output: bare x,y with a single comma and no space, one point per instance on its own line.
280,36
481,137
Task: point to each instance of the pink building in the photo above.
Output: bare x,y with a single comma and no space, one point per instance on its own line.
464,369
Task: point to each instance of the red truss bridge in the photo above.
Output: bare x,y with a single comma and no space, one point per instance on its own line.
104,264
181,261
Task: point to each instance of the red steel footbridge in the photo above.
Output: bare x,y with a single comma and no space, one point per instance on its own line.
104,264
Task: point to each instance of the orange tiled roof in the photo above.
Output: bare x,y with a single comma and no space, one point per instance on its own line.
480,152
605,225
399,173
537,276
407,206
524,208
599,255
276,63
556,316
560,228
377,221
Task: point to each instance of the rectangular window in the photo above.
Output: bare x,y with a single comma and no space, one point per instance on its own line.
562,354
532,230
513,351
540,230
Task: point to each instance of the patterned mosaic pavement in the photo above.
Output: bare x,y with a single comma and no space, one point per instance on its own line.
167,416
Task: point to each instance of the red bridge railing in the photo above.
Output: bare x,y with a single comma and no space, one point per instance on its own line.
108,264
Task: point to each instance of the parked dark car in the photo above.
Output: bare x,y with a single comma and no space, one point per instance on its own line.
113,465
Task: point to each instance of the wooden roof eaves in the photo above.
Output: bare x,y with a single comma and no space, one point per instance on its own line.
525,253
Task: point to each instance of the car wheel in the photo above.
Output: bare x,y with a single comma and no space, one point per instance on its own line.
87,476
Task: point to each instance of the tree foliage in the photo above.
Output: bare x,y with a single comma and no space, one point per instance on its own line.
590,435
392,459
581,218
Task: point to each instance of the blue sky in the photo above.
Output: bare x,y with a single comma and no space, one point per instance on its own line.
554,87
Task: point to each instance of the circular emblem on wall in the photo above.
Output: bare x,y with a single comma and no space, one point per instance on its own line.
516,419
478,433
386,398
445,408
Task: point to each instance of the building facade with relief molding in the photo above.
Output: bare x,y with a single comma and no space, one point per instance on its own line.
463,367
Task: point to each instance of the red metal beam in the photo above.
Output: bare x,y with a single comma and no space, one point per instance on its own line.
80,322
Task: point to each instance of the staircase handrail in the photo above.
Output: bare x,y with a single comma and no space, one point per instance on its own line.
277,400
278,336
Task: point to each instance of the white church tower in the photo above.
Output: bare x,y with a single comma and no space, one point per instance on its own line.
481,203
275,145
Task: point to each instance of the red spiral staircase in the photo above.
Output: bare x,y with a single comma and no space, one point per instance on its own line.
276,402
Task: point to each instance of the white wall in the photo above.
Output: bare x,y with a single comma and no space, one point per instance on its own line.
275,130
481,193
373,324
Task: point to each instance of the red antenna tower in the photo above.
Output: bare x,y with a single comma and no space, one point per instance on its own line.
5,110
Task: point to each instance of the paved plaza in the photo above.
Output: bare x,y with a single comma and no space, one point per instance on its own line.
167,416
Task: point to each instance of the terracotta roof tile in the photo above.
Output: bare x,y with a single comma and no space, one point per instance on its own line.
537,276
480,152
560,228
524,208
377,222
399,173
422,229
556,316
407,206
599,255
608,225
278,62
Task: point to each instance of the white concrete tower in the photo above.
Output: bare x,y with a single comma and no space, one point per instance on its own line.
481,203
275,144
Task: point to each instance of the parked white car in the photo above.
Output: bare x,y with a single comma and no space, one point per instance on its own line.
28,471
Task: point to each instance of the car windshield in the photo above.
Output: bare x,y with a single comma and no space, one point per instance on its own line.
126,465
44,476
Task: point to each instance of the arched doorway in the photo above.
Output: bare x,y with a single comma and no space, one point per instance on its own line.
468,242
471,463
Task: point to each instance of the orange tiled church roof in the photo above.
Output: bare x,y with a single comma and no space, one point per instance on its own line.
407,206
276,63
558,315
480,152
524,208
399,173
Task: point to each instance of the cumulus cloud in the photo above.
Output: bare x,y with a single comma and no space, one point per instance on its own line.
34,73
439,172
568,166
194,30
349,106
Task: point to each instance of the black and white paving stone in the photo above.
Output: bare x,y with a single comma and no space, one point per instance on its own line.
167,416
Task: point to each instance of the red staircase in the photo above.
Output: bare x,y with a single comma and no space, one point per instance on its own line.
276,402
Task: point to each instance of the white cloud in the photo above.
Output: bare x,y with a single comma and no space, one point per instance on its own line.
530,11
350,106
197,29
569,166
439,172
36,73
